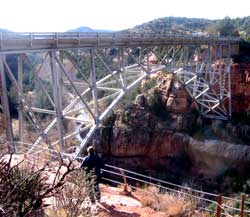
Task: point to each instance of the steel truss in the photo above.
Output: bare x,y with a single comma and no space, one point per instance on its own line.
82,86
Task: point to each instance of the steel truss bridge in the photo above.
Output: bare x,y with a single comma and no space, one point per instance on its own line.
83,76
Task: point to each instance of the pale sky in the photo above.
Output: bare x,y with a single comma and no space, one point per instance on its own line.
62,15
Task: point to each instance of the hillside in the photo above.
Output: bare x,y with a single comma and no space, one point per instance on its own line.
173,25
4,30
191,25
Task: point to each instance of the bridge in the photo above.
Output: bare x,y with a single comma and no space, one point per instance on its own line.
83,76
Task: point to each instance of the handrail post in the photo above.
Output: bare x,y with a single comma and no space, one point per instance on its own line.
125,187
219,201
242,205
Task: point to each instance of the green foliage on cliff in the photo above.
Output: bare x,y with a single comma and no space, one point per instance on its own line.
244,54
156,106
148,85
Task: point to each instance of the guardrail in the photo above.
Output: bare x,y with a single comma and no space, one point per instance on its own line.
37,41
203,198
120,176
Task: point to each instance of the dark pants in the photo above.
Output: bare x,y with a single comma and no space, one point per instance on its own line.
92,187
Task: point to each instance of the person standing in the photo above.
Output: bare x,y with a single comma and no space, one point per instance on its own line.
92,164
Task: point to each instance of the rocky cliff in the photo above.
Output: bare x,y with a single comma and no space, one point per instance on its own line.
161,130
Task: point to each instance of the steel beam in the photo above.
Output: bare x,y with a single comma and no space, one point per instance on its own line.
20,106
229,80
109,70
36,72
93,86
122,71
5,105
75,89
57,98
27,105
33,42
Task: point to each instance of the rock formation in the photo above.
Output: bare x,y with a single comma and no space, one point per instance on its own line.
161,126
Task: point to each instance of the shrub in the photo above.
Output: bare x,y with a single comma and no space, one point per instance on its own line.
170,203
72,199
23,188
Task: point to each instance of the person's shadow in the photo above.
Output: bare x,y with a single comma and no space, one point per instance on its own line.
116,213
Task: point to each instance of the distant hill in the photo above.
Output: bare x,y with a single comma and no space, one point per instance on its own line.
4,30
175,25
87,29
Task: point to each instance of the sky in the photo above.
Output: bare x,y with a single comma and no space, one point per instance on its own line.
62,15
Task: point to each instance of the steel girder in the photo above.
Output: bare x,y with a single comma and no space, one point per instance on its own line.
81,87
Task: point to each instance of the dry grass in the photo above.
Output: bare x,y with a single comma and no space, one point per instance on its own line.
72,200
170,203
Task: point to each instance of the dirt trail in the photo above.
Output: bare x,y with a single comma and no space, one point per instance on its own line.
115,204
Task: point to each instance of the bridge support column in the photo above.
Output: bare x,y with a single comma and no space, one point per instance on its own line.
20,113
93,86
220,72
57,98
228,72
5,104
122,66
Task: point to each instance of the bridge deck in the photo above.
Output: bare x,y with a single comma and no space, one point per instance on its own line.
32,42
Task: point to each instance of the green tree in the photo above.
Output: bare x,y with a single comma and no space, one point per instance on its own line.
227,27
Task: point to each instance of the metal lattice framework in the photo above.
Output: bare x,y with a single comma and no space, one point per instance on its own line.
82,77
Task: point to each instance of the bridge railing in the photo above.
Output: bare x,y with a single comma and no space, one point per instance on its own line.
70,35
26,40
223,205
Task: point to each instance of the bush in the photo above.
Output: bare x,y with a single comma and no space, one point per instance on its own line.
227,27
244,53
72,199
156,106
23,189
169,203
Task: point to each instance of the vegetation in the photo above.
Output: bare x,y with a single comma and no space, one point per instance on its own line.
244,54
227,27
169,203
182,25
71,202
148,85
173,25
23,188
